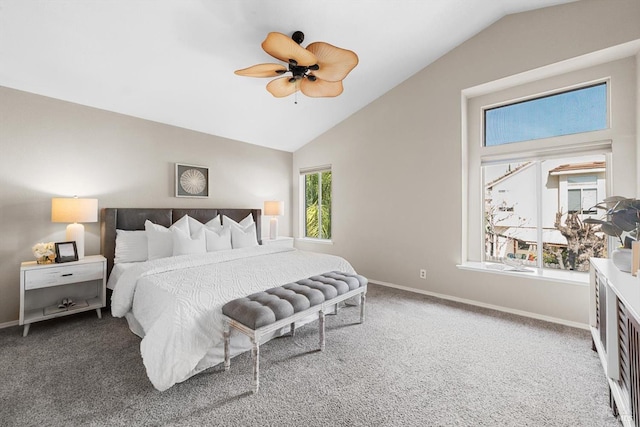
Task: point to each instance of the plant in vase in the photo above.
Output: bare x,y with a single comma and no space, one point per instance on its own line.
45,253
622,221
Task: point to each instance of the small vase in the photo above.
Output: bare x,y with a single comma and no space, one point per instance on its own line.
622,259
43,260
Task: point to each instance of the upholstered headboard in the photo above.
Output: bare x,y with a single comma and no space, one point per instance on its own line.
112,219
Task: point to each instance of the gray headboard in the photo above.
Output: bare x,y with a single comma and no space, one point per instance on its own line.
112,219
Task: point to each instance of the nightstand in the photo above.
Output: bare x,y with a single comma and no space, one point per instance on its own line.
44,286
281,241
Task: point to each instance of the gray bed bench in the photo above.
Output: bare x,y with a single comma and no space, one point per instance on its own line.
265,312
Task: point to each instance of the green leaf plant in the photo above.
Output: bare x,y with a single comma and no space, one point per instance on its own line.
622,215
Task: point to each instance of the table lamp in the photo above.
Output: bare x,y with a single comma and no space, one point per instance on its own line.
273,208
74,211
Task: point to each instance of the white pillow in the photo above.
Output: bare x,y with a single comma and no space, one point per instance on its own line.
184,244
195,226
228,222
215,223
160,242
244,238
131,246
218,240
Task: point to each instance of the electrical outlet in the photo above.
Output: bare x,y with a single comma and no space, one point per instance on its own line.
423,274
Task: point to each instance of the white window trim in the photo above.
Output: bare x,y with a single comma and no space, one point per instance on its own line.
302,220
314,240
560,72
547,274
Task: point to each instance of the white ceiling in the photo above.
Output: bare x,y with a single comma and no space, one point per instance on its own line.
172,61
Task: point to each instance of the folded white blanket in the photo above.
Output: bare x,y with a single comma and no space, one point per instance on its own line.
178,302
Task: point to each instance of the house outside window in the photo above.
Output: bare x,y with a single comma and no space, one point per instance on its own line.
535,199
316,186
582,186
529,216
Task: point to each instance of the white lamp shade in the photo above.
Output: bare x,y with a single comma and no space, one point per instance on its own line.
274,208
74,210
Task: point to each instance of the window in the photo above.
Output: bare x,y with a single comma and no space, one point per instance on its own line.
534,211
565,113
582,194
536,194
582,200
316,184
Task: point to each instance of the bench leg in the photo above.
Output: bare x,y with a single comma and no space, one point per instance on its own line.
362,301
293,328
255,352
336,309
321,327
227,359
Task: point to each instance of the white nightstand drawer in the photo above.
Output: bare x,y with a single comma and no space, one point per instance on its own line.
60,275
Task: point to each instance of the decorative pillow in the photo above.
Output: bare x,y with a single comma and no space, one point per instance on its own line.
243,238
184,244
131,246
228,222
195,226
218,240
215,223
160,242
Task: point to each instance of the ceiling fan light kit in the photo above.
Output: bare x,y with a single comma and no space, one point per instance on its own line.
316,71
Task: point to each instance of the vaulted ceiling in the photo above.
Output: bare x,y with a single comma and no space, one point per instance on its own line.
172,61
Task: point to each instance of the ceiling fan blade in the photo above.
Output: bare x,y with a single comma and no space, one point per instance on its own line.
284,48
262,70
282,87
321,88
334,62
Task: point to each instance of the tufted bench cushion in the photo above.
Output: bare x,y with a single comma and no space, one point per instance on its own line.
265,312
264,308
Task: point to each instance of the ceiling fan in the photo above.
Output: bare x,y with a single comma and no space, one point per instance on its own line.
316,71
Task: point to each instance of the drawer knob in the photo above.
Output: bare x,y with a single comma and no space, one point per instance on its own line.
67,274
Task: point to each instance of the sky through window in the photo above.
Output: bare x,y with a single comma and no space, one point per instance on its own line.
575,111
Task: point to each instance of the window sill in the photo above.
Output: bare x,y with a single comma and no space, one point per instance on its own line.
312,240
562,276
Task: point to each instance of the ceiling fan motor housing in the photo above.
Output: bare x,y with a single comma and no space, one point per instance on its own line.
298,37
300,72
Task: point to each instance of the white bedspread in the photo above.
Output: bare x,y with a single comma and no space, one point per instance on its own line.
178,302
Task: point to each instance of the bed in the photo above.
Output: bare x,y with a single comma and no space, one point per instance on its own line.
174,303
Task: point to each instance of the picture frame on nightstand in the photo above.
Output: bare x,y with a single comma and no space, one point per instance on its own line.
66,252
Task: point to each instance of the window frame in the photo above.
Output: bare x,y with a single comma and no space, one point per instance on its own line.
475,154
618,64
535,150
538,181
304,172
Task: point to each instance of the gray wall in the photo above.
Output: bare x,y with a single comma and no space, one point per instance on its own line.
50,148
397,171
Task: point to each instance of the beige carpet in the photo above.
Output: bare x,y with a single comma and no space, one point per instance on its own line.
416,361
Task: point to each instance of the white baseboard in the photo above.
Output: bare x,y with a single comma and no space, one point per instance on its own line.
484,305
9,324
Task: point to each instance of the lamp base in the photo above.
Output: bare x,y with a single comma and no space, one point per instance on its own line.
75,232
273,228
